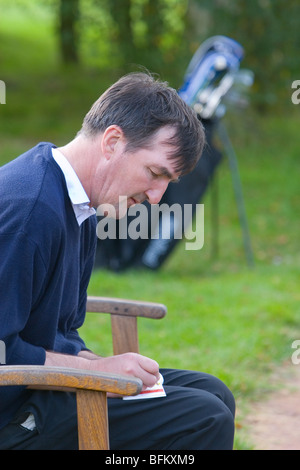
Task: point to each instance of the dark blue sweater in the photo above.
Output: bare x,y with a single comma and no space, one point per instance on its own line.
46,261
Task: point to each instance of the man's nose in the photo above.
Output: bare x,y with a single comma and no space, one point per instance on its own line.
155,194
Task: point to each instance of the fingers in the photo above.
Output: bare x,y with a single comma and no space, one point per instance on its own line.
149,371
141,367
133,364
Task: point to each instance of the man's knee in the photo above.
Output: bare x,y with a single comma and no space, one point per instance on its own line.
221,391
222,428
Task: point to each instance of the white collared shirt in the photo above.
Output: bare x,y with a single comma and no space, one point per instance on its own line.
77,194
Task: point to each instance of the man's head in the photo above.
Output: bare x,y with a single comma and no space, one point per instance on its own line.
141,106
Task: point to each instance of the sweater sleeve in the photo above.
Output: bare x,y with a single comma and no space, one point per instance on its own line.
21,276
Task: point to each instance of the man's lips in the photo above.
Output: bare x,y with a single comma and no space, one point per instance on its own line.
132,201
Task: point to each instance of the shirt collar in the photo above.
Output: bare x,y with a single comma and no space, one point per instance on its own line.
77,194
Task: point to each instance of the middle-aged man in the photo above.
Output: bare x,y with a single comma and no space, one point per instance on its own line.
137,138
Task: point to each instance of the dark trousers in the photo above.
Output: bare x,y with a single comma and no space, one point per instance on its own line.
197,413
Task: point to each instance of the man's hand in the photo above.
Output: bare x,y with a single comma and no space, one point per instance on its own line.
132,364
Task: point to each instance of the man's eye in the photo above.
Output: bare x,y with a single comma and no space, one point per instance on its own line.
153,174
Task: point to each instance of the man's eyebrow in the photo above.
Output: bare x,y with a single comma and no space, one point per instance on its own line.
165,172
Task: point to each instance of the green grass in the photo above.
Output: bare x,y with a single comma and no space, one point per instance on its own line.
223,317
234,325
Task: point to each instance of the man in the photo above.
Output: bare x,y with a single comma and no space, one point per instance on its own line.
137,138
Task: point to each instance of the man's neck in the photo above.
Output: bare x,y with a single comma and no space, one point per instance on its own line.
81,154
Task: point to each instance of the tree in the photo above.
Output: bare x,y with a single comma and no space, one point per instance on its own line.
120,11
150,33
68,32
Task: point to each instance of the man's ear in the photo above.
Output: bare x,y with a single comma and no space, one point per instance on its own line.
112,138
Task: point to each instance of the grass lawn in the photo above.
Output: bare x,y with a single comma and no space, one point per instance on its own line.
223,317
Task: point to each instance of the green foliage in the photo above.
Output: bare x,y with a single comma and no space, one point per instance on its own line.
141,32
118,34
162,35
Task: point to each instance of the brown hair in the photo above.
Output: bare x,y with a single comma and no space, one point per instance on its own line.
141,105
